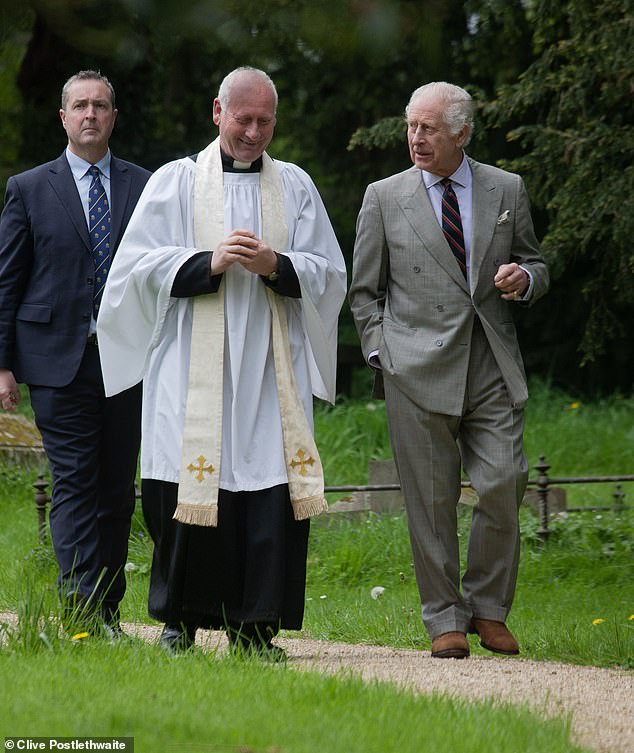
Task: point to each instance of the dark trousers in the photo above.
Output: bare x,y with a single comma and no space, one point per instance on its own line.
92,444
249,571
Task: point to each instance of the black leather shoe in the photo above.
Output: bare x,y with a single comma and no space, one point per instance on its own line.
178,638
252,645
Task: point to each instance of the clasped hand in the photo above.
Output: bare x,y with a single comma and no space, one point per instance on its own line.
245,248
512,281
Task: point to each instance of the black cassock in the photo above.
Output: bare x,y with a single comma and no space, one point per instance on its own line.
250,569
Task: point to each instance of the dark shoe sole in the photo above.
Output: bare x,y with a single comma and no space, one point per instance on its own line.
450,653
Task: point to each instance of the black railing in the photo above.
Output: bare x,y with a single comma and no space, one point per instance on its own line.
543,483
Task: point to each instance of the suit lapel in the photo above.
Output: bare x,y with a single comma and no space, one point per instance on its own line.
415,204
486,201
119,192
62,182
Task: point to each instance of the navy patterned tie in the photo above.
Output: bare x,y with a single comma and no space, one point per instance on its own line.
452,224
99,231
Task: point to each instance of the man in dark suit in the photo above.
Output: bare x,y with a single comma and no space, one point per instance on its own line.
443,251
59,231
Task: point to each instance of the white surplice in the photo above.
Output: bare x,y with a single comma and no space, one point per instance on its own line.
144,333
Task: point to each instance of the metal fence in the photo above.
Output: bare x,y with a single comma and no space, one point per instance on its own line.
543,483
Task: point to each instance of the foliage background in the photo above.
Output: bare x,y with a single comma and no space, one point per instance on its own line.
553,80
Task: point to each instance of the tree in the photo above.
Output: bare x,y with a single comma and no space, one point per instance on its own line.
576,108
553,84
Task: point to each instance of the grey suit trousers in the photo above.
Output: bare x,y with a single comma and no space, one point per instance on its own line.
430,449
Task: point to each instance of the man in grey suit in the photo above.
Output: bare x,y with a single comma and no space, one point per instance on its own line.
443,251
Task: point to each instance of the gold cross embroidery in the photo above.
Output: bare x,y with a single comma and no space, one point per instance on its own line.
303,461
201,468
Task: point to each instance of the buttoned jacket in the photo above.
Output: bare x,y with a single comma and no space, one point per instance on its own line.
411,302
47,268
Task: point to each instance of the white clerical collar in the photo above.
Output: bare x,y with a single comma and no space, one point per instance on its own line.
229,164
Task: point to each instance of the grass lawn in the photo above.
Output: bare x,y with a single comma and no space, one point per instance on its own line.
575,603
204,703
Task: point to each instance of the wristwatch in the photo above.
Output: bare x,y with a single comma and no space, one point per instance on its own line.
273,277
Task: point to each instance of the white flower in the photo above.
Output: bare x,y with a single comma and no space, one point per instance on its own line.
129,567
377,592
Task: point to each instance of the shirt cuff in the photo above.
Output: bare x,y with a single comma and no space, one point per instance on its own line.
529,290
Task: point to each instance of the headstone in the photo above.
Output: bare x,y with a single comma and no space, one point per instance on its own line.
383,472
556,500
354,503
20,441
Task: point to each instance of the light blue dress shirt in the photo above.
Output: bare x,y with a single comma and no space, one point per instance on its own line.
79,168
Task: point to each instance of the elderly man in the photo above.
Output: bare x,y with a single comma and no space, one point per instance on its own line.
443,251
59,231
225,298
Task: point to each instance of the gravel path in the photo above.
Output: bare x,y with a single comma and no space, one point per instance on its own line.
599,702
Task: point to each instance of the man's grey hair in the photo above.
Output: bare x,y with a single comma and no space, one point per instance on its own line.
224,92
86,76
459,106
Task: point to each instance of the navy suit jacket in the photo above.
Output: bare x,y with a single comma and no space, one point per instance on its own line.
47,271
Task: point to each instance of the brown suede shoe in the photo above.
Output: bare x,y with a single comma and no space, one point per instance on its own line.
495,636
451,645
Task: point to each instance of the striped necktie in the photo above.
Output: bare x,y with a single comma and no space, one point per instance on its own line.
452,225
99,231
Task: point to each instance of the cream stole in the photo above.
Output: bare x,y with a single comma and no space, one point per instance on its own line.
202,440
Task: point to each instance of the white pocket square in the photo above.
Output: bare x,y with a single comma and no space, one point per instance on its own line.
504,217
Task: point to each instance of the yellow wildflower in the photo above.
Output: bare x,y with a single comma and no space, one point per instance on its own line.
79,636
597,622
631,617
574,406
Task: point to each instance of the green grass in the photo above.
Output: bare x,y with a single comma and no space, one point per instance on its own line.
50,686
584,573
202,702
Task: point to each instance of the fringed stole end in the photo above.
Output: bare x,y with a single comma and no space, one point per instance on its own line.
197,515
309,507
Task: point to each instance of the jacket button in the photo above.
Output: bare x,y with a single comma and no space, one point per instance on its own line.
438,343
417,269
89,280
440,307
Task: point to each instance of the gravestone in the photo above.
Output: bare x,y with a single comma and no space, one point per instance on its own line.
556,500
20,441
383,473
